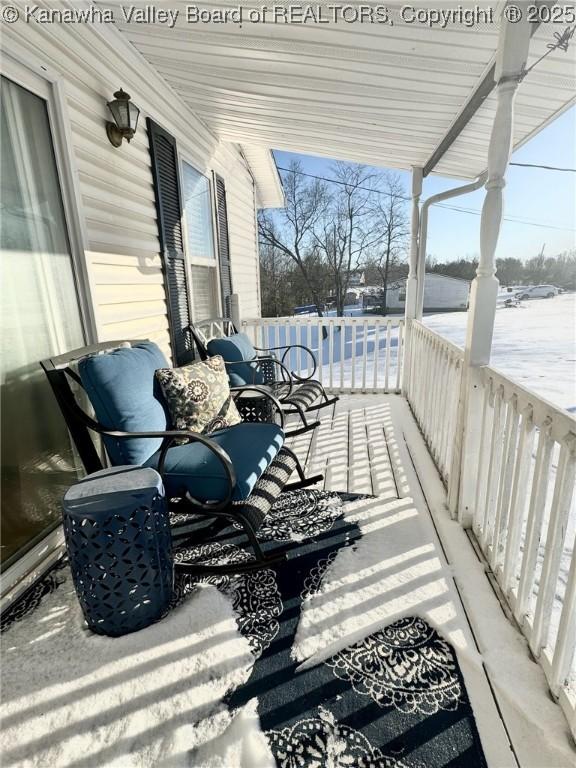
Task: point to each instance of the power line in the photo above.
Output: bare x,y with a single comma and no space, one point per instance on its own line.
545,167
342,183
513,219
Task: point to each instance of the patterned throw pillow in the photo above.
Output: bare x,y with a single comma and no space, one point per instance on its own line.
198,396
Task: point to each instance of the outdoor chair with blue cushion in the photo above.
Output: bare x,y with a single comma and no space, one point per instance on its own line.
224,475
263,366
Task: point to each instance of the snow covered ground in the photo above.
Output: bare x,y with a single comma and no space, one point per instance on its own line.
534,344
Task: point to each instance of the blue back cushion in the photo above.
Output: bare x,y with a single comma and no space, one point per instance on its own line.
235,349
126,396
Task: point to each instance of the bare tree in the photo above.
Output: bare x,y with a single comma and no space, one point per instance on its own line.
390,211
328,234
293,234
274,281
348,229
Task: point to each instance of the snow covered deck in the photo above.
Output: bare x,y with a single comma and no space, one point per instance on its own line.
418,560
71,698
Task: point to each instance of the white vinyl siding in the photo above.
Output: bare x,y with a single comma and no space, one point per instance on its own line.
115,186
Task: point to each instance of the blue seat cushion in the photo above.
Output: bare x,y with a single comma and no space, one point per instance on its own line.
237,349
194,468
126,396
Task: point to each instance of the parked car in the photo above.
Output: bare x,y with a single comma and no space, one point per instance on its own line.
538,292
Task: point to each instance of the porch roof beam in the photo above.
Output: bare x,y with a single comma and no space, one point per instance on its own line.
475,101
473,104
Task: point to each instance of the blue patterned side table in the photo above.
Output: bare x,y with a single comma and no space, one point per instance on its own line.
118,539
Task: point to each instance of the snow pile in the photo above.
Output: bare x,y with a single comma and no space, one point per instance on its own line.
72,698
239,744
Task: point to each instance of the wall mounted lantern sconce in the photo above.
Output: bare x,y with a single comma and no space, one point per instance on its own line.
125,114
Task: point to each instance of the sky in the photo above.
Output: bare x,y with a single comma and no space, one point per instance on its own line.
546,197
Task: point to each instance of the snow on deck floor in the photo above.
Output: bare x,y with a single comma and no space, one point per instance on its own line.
371,444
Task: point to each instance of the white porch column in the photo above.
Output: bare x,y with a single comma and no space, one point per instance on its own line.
411,305
511,57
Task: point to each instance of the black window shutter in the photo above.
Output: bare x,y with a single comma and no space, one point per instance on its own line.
166,176
223,244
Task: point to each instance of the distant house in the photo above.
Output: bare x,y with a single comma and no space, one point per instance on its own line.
441,294
357,278
353,296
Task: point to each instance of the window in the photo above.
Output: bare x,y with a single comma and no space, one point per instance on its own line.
197,203
40,318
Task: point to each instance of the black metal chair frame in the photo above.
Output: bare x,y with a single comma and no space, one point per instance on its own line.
223,512
268,360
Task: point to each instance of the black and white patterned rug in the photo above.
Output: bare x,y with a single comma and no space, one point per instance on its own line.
394,699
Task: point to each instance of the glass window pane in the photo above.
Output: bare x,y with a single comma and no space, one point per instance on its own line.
39,317
197,213
204,292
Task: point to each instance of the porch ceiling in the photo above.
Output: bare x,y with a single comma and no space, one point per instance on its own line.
376,93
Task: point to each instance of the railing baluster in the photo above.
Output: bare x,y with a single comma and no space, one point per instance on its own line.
428,403
342,351
454,394
451,379
319,327
503,509
288,339
354,341
388,342
263,334
444,406
494,467
436,399
331,353
376,352
364,353
559,512
417,360
518,500
566,642
447,372
399,355
538,494
420,364
299,351
483,458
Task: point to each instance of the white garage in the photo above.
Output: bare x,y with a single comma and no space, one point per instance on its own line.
441,293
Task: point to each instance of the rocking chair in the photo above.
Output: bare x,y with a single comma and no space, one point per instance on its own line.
263,366
224,477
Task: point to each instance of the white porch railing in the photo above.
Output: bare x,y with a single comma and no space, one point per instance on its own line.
433,376
523,506
354,354
525,521
523,477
